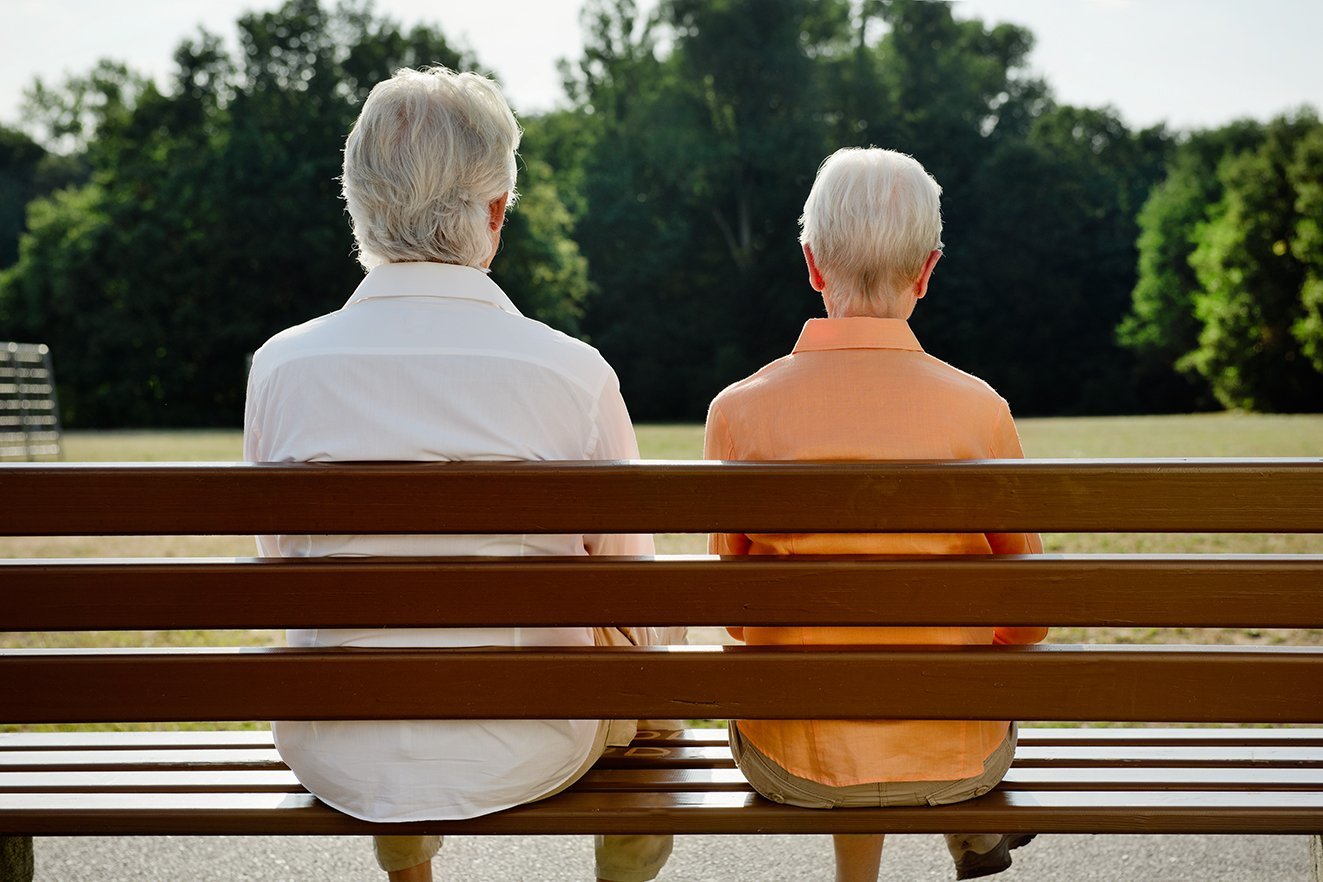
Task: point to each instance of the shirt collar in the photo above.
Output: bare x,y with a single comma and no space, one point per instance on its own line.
444,280
856,333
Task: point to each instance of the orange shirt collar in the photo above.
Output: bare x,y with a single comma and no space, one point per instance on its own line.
856,333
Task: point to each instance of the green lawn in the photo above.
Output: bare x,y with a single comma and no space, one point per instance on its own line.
1165,436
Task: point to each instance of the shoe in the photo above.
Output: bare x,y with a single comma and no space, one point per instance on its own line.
973,865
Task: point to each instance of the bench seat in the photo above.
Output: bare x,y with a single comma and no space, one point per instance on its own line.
1115,780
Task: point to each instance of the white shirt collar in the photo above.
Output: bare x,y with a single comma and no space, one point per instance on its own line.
445,280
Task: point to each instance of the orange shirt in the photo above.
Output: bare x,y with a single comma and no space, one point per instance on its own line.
863,389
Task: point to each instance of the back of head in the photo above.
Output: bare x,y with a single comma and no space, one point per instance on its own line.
430,151
871,220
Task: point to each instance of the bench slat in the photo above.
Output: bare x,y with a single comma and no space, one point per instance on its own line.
672,758
222,738
1210,591
1026,755
1130,683
1172,495
1029,736
672,780
141,760
701,812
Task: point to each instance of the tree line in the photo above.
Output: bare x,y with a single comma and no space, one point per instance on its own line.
159,234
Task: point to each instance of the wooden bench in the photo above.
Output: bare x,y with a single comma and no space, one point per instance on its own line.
1116,780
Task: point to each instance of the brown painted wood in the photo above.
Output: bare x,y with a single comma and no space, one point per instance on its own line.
576,812
1217,755
101,741
673,780
140,760
1160,779
1131,779
1131,683
658,758
1244,495
1120,736
638,756
1029,736
1208,591
120,781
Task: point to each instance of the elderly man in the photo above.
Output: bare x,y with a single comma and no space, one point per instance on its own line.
859,387
429,360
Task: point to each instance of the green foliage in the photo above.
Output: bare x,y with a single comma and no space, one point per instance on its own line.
19,158
27,171
539,264
697,157
181,226
1253,298
1306,177
213,218
1161,326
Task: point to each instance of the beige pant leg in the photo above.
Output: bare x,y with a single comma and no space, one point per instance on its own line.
633,858
403,852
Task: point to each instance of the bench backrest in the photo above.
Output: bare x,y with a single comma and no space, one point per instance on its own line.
1179,684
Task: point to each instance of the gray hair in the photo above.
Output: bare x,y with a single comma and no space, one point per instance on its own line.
871,220
429,152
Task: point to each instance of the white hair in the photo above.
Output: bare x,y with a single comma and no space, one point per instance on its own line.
871,220
429,152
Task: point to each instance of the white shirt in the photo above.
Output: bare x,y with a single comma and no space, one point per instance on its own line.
433,362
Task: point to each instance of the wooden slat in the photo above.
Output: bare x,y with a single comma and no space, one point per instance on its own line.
140,760
657,757
1184,756
1077,779
580,812
234,781
262,739
1026,756
1160,778
1120,736
1204,591
1029,736
1245,495
1123,683
678,758
672,780
224,738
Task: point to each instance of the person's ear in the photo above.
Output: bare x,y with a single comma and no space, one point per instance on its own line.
815,275
921,285
496,212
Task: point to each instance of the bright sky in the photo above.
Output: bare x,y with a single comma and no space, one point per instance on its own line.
1191,63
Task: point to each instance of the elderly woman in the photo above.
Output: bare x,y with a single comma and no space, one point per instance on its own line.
429,360
858,386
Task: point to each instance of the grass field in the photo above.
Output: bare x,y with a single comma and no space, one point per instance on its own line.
1121,437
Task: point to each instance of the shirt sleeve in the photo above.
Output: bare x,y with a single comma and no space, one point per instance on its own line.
615,440
1006,445
255,451
252,427
717,444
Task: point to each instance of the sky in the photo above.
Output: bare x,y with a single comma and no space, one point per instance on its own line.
1189,63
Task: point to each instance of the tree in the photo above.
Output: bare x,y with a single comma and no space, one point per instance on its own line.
697,162
1306,177
1253,299
1161,327
213,218
20,157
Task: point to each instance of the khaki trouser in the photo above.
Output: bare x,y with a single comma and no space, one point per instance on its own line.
636,858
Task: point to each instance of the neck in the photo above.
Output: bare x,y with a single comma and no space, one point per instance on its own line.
888,308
